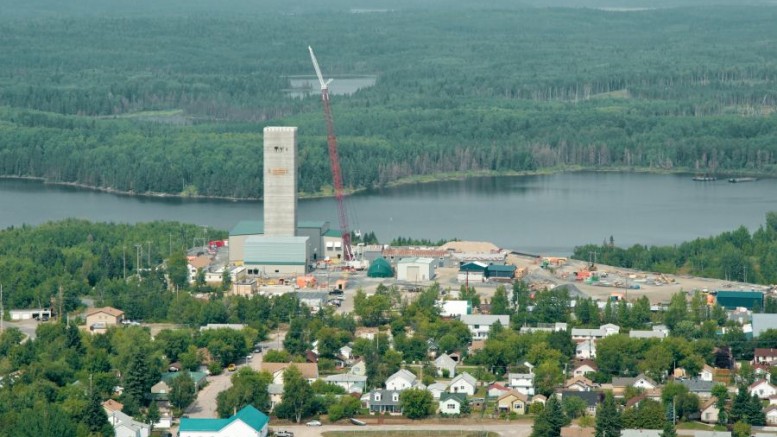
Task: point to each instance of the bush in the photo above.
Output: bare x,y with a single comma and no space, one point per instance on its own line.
215,368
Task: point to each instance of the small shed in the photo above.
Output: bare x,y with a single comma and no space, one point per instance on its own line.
415,269
731,300
380,268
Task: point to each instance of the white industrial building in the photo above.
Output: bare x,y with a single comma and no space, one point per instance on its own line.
454,308
415,269
276,255
38,313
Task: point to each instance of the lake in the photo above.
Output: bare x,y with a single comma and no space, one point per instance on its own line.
548,214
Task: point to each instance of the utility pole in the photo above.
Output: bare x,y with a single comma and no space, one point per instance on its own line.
59,314
138,248
148,256
2,310
124,261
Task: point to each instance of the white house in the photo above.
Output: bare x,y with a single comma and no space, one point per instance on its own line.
445,363
585,350
707,373
415,269
451,403
644,382
454,308
480,325
126,426
762,388
771,415
610,329
709,412
248,422
437,389
522,382
346,352
358,368
496,390
464,383
580,334
401,380
583,367
350,382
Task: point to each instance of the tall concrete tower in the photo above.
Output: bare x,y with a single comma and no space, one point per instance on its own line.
280,181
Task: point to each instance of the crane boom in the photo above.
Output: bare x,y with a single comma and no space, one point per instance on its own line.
334,160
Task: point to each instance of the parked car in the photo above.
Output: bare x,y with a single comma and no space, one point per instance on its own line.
231,367
313,423
357,422
284,434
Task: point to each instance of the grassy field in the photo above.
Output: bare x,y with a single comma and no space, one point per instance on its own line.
409,434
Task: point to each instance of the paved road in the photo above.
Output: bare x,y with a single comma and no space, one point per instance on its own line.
205,404
27,327
520,429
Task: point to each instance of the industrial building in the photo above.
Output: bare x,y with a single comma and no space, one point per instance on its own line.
416,269
280,245
732,300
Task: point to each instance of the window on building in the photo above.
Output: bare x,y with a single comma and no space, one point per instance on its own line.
451,406
377,396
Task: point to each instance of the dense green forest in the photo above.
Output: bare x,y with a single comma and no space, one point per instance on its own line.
172,99
735,256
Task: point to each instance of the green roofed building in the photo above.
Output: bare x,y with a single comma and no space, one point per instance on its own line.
248,422
731,300
380,268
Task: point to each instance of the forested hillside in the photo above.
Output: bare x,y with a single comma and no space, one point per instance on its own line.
171,99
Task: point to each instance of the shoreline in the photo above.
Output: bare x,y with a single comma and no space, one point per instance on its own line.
411,180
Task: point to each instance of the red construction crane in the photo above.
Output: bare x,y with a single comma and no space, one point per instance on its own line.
337,177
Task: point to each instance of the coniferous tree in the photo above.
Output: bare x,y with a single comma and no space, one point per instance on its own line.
669,429
95,418
608,418
549,422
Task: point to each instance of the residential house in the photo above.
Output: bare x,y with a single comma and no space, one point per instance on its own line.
765,356
276,394
641,433
544,327
709,412
591,399
358,368
496,390
640,381
346,352
98,320
610,329
445,366
577,431
702,389
351,383
464,383
773,400
584,366
126,426
111,405
762,388
402,379
309,371
384,401
513,402
248,422
707,373
480,325
771,415
452,403
712,434
522,382
539,399
161,390
659,331
585,350
580,383
580,334
232,326
437,389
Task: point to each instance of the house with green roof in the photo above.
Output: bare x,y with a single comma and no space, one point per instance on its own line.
161,390
248,422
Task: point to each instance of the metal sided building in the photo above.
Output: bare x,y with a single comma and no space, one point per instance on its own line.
731,300
315,231
415,269
472,272
501,271
277,255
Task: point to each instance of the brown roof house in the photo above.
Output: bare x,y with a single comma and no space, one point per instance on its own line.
513,402
309,371
98,320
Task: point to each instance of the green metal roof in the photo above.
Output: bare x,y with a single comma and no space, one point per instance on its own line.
500,268
473,267
247,227
460,397
248,415
380,268
254,227
197,377
734,299
333,233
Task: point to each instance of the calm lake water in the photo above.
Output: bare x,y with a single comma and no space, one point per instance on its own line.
535,214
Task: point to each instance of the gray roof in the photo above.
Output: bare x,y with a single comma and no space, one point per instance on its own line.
404,374
482,319
346,377
697,385
386,397
445,360
646,334
123,419
623,382
591,398
587,332
275,389
467,377
712,434
762,322
439,386
641,433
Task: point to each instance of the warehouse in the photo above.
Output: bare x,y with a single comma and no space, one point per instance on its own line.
472,272
500,271
318,234
732,300
415,269
270,255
